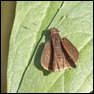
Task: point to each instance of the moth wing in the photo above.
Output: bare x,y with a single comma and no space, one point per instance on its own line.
59,62
46,58
55,65
65,65
70,49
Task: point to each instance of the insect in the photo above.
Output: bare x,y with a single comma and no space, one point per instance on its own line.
58,54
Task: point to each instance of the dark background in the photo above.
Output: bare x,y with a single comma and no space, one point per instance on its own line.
7,17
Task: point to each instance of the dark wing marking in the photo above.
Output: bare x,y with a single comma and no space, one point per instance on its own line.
71,50
71,53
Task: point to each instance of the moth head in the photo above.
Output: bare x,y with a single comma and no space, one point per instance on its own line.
54,31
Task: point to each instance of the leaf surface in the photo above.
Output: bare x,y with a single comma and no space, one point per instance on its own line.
74,20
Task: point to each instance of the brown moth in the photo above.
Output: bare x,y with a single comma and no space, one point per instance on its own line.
58,54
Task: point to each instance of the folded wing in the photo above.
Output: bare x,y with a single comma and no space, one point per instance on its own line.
46,58
71,53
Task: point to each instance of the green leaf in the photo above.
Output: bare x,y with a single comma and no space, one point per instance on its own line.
74,20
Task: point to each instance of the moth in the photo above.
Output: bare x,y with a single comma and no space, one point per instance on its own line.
58,54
